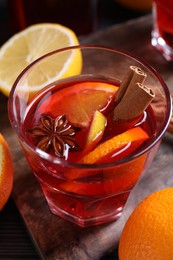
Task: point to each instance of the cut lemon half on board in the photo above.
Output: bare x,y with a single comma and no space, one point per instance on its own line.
33,42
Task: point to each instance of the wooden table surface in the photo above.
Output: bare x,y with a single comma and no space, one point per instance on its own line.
49,232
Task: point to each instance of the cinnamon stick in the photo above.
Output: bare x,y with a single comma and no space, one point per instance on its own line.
133,75
132,97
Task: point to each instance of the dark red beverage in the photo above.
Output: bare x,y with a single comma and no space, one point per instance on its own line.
164,19
79,189
162,34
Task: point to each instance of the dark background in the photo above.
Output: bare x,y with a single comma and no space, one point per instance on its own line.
107,13
15,242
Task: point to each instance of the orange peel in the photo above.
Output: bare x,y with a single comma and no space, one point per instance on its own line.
136,136
6,172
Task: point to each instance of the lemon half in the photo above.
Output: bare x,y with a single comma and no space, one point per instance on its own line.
33,42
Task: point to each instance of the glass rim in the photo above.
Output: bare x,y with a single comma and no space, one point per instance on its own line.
61,161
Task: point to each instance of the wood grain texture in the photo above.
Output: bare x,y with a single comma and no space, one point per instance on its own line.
54,237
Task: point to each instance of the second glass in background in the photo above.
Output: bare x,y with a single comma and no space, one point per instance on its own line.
162,34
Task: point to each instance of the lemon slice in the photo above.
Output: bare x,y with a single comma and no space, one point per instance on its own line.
33,42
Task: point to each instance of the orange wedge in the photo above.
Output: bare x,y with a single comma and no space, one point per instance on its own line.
80,101
119,179
133,137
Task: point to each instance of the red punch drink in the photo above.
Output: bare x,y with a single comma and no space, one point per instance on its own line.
162,34
87,149
80,191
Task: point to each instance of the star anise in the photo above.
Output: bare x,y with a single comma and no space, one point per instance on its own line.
54,134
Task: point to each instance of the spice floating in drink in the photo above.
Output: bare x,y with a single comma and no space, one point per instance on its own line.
86,99
76,121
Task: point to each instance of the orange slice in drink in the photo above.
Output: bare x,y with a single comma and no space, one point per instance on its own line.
131,140
80,101
118,179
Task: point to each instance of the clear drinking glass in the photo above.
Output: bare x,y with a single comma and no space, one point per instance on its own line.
162,33
84,193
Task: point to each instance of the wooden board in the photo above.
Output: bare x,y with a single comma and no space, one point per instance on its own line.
49,232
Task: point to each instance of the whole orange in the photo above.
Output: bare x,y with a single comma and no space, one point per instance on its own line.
6,172
148,233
